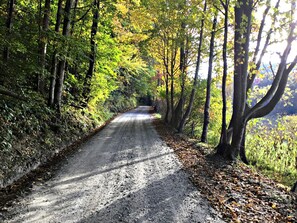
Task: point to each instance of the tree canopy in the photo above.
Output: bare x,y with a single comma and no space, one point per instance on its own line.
103,54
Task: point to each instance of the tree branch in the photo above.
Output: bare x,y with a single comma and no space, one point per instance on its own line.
278,85
83,16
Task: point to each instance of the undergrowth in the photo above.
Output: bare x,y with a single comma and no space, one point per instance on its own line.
31,132
272,148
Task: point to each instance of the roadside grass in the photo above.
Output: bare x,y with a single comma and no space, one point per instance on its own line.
272,148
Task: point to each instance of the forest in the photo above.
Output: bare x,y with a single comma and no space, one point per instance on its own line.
220,71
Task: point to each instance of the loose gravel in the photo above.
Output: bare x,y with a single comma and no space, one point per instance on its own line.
125,173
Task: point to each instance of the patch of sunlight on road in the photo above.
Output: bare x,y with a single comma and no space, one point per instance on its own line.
127,117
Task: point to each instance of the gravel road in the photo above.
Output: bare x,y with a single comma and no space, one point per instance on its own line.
125,173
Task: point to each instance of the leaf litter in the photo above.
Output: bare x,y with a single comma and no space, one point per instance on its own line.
236,190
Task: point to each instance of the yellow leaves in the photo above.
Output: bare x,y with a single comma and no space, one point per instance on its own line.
130,23
141,20
122,8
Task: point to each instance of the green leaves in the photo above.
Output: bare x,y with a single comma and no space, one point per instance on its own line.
272,146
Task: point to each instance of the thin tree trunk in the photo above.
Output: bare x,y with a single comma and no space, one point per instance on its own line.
209,79
172,96
12,94
224,79
74,17
167,98
43,46
92,56
294,187
62,63
195,83
166,61
10,10
54,62
172,69
253,70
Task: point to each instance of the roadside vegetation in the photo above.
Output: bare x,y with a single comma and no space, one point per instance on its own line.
247,80
272,147
65,71
220,71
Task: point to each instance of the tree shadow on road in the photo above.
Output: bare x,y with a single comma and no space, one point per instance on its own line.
170,199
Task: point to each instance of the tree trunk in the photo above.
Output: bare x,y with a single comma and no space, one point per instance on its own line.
12,94
242,113
167,98
43,47
192,129
54,62
172,96
224,79
92,56
257,54
178,111
74,17
166,61
242,153
172,73
192,96
62,63
10,10
209,79
243,16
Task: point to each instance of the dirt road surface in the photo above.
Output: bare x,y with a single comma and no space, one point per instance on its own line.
125,173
